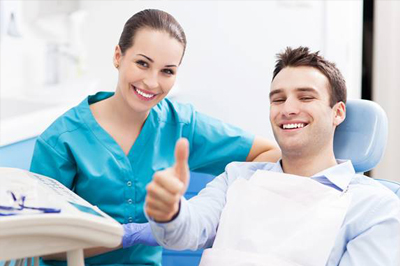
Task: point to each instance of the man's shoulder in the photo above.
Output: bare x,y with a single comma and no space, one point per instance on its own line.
372,195
370,185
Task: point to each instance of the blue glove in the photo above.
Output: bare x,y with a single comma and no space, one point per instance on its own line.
138,234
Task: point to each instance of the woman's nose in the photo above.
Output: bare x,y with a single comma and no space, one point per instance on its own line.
151,80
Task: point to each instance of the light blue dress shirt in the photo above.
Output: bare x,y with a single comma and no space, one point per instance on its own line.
80,154
370,233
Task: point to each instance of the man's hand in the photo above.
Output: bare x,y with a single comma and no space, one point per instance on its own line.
167,187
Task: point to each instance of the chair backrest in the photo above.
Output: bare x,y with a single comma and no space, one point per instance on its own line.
363,134
362,137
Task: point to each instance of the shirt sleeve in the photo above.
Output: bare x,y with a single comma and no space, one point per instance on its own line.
379,243
48,162
214,144
196,224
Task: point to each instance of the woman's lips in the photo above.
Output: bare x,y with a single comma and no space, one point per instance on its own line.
144,95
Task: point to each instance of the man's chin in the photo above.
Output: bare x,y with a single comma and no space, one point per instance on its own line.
292,149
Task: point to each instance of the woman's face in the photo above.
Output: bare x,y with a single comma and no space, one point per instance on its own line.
147,70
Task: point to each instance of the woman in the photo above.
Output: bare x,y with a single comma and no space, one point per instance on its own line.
108,147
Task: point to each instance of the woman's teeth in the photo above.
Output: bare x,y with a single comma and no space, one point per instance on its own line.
148,96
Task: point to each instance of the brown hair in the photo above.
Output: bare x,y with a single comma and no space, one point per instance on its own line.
301,56
153,19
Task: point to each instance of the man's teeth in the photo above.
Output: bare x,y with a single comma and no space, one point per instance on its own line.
144,94
290,126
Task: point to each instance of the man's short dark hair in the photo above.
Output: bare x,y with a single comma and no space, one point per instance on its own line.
303,57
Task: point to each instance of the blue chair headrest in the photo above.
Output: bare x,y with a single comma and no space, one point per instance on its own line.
363,135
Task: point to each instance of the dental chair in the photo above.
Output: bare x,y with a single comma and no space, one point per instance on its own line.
363,134
361,138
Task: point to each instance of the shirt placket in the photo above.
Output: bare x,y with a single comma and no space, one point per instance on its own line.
129,195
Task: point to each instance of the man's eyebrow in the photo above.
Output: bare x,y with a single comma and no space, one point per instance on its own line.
301,89
151,60
307,89
272,93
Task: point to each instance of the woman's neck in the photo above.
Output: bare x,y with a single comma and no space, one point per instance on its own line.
117,109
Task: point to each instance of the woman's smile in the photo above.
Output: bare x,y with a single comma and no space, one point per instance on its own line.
143,94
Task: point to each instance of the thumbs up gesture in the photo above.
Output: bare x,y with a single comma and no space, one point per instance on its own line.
167,187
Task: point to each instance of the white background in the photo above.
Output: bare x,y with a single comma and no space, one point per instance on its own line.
231,48
230,56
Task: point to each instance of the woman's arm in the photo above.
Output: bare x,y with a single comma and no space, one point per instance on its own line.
87,253
134,233
263,150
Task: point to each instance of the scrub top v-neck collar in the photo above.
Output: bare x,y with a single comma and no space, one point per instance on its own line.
105,138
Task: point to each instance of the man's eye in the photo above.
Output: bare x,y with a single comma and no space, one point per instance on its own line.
306,98
279,100
168,71
142,63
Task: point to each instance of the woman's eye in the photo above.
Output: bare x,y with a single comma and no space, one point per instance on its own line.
168,71
142,63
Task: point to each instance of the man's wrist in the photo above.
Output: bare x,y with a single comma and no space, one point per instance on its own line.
177,213
173,217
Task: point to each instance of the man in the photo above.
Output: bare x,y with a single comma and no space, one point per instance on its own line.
307,209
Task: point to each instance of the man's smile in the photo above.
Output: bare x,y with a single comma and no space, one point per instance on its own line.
293,125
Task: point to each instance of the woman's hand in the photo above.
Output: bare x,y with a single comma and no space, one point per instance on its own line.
135,233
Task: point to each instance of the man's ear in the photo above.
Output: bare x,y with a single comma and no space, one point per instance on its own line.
117,56
339,113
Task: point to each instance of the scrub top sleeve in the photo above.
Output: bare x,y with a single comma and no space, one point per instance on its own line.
214,144
48,162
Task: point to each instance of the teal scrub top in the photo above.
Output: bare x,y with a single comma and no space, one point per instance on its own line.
80,154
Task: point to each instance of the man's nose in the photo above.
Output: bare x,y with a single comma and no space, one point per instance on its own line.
290,107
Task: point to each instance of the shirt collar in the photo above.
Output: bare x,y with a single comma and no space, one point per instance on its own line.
340,175
277,167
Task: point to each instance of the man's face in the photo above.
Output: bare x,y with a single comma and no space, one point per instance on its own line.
302,120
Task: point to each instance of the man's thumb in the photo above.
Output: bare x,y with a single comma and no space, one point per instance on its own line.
181,160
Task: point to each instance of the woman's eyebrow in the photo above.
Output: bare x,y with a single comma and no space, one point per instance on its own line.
151,60
148,58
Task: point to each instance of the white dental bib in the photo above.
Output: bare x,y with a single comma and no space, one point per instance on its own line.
277,219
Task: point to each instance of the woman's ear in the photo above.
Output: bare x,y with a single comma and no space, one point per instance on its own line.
339,112
117,56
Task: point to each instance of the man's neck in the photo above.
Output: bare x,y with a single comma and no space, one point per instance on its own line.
308,165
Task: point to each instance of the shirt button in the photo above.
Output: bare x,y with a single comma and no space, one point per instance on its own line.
130,201
130,219
129,183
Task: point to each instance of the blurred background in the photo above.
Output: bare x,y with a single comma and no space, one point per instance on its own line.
54,53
